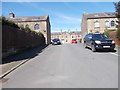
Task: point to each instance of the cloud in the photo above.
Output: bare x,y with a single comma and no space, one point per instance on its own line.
65,22
70,19
66,19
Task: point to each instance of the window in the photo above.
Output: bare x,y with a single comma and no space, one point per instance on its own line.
112,23
27,26
36,27
96,24
107,24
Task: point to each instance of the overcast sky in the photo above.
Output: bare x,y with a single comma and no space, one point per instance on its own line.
63,15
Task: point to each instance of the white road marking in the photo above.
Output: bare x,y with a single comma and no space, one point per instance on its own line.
115,54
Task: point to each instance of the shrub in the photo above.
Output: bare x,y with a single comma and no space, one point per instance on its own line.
12,24
107,33
118,34
39,33
34,32
8,22
27,29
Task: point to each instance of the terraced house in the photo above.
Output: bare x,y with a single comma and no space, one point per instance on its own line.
66,37
36,23
98,22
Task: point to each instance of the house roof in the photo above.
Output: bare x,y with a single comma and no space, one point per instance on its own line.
100,15
31,18
71,33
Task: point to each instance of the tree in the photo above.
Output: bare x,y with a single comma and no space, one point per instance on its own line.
117,7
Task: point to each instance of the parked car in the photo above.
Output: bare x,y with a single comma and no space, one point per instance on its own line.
74,41
56,41
98,41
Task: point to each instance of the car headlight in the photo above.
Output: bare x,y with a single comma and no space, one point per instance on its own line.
113,42
98,42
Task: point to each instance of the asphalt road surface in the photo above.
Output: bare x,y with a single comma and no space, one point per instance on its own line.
66,66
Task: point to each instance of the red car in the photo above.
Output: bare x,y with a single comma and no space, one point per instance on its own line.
74,41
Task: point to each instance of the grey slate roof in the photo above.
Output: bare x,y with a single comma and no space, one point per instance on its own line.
100,15
31,18
60,33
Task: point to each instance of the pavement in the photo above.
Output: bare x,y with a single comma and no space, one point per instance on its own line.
66,66
11,63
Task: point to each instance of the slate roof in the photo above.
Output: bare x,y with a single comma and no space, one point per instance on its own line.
60,33
75,33
100,15
31,18
56,33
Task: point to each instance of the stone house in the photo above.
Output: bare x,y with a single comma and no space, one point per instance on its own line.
36,23
98,22
66,37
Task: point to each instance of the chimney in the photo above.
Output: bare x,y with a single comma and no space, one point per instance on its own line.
61,30
68,30
11,15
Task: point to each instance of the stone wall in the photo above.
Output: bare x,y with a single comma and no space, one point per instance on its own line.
102,27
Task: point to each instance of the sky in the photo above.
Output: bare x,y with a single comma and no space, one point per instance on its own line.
63,15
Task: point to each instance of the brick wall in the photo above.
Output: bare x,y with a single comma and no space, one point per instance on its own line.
15,40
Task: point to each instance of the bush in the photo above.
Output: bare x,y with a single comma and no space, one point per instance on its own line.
107,33
118,34
39,33
27,29
12,24
8,22
34,32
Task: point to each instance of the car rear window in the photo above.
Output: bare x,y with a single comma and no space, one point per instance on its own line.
74,39
54,40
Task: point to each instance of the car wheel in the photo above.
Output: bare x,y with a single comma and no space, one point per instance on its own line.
93,48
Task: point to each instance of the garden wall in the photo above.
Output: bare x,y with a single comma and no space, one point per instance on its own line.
16,40
112,35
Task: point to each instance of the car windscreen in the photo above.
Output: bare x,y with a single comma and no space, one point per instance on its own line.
55,40
100,36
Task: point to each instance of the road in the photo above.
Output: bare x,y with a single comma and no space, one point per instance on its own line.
66,66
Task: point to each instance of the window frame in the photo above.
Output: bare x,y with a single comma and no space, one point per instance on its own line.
107,24
111,23
96,24
36,27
